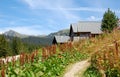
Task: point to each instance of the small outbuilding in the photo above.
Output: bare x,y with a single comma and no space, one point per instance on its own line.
60,39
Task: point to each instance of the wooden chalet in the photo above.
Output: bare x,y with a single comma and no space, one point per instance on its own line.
81,30
84,29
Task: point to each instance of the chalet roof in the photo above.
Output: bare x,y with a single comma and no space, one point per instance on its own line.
62,39
87,26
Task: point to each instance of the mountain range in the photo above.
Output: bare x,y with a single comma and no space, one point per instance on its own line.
14,34
43,40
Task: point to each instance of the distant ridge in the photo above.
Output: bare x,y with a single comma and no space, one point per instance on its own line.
43,40
64,32
14,34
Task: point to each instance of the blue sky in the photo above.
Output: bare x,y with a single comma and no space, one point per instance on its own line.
36,17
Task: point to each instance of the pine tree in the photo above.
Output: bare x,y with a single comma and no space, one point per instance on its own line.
4,47
109,21
17,46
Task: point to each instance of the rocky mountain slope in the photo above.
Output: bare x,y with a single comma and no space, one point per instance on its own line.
39,40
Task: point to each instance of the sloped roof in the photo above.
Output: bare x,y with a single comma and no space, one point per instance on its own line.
62,39
87,26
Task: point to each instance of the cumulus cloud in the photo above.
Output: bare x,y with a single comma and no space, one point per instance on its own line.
64,5
47,4
59,7
66,8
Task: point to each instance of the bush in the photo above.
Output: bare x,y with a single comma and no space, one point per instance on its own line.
92,72
113,72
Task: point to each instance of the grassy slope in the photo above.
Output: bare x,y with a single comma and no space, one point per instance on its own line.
56,64
51,67
104,59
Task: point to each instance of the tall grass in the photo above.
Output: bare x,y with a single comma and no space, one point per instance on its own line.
47,62
106,55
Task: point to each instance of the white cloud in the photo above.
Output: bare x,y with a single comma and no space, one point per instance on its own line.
64,5
65,8
46,4
85,9
57,6
69,16
1,32
93,18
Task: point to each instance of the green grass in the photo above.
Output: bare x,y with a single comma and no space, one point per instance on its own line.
54,66
92,72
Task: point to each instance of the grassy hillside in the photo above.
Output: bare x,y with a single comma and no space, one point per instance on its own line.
105,58
47,62
52,60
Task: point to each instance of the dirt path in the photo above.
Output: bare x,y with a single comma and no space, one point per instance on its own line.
77,67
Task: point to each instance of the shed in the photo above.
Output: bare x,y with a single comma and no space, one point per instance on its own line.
60,39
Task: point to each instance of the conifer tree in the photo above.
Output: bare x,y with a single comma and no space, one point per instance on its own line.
17,46
4,48
109,21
